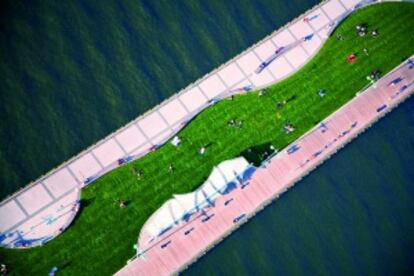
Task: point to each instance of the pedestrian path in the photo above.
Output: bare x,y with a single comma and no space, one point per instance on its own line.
169,252
274,58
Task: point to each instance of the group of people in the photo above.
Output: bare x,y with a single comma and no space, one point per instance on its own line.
362,30
339,37
374,76
279,105
288,127
233,123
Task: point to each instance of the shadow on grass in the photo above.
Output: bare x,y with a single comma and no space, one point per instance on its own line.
64,265
84,203
257,154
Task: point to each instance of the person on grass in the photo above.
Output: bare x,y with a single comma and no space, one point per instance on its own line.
3,269
122,204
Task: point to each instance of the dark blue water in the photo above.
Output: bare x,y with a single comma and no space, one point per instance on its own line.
354,215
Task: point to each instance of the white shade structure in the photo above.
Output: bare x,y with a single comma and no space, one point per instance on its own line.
181,207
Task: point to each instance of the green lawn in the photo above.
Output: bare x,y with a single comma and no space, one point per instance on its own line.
101,239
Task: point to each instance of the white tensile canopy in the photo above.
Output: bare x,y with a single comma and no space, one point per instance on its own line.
180,207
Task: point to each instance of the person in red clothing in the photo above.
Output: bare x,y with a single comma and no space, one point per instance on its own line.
351,58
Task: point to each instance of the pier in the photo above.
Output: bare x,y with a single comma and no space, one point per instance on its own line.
272,179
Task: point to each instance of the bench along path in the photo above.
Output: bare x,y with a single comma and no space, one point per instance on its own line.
174,250
45,208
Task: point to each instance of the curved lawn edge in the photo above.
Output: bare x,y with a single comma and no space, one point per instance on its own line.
225,95
279,82
145,195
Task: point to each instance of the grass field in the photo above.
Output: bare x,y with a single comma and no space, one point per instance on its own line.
100,240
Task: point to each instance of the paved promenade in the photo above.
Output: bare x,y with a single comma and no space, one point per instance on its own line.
174,250
34,215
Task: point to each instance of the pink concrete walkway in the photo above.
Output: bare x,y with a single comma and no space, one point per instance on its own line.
177,248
